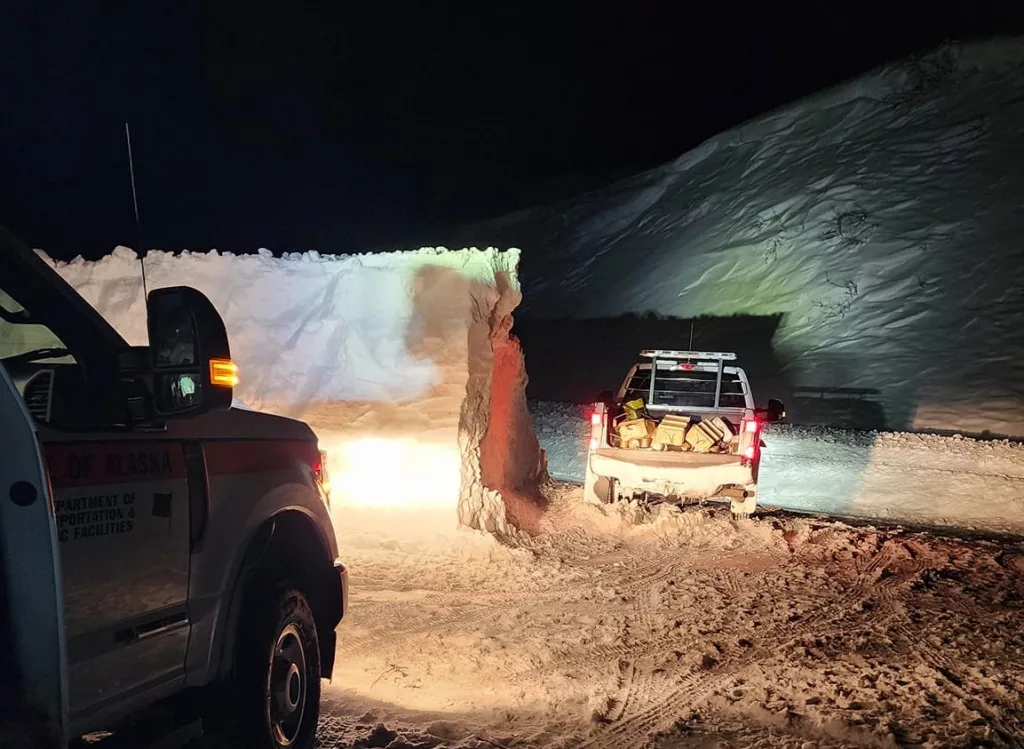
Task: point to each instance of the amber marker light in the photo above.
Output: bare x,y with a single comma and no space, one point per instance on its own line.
223,373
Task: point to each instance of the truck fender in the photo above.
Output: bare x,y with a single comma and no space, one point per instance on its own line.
324,600
254,552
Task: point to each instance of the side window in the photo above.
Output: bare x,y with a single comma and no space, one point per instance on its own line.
37,360
19,334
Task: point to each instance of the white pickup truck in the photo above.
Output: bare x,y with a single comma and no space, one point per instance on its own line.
699,387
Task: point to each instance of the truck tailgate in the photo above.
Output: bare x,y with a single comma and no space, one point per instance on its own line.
656,459
672,473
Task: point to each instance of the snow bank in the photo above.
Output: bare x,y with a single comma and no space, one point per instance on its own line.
402,362
910,478
879,222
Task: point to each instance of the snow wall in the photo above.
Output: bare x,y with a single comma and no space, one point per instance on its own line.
402,363
862,250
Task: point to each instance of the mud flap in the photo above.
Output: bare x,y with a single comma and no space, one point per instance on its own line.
743,506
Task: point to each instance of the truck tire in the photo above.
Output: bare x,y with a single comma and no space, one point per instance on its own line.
276,675
598,490
607,490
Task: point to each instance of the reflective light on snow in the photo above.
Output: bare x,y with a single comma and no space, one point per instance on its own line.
400,473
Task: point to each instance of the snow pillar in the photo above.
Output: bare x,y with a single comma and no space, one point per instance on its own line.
502,465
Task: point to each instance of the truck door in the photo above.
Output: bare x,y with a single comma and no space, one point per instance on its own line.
31,614
121,512
120,496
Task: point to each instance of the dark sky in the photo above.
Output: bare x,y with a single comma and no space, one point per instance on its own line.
342,126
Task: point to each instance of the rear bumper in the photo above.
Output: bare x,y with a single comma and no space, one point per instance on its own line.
674,474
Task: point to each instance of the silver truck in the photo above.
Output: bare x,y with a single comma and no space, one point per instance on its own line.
684,388
159,548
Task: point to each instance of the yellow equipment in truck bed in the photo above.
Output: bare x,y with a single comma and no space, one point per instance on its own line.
671,433
634,434
635,409
709,436
700,438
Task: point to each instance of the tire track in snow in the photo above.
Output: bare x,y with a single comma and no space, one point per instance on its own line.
699,683
626,681
652,573
657,571
831,617
638,729
640,705
398,625
406,625
938,661
636,683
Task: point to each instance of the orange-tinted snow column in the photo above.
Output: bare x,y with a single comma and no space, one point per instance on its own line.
510,455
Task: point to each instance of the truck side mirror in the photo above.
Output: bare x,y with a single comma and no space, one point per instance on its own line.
776,410
191,360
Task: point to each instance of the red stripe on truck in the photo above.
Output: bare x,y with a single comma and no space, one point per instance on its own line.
106,464
233,457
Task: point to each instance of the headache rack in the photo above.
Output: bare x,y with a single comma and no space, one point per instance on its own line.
719,357
659,353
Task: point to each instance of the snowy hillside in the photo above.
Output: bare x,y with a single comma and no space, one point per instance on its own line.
881,224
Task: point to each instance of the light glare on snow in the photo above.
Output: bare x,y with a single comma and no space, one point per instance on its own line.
399,473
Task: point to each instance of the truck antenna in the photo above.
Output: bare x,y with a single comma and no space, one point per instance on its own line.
691,336
138,221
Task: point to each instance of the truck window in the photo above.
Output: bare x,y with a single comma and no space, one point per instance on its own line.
686,388
19,334
45,372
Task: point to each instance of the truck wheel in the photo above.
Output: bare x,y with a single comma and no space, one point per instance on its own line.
277,671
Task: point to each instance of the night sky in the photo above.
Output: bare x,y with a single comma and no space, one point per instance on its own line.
363,125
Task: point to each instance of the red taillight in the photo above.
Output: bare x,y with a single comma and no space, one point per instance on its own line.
752,433
596,423
320,474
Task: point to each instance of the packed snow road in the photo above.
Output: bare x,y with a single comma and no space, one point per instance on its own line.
621,628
